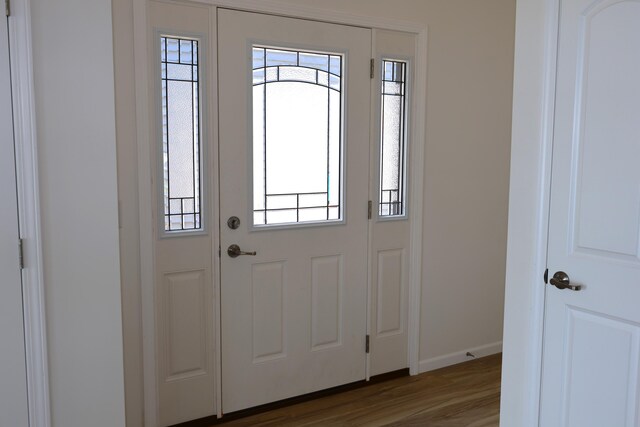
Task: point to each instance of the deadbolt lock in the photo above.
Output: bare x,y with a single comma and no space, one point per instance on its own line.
233,222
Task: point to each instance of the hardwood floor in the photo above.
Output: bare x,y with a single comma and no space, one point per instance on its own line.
464,395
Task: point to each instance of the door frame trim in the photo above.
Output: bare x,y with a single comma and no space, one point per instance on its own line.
145,187
25,134
536,48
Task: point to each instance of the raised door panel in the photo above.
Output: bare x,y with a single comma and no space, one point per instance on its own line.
268,317
600,384
607,196
326,301
185,328
390,298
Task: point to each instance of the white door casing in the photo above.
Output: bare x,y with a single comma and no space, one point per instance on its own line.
591,357
156,351
13,387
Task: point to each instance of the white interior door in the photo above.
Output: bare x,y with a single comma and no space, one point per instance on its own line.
294,154
13,376
592,335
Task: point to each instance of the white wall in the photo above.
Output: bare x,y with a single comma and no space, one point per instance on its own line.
468,121
73,73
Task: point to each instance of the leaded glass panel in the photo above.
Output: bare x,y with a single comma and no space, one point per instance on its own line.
181,150
393,139
297,136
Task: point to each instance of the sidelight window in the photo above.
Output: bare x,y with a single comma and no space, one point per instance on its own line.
393,139
181,139
297,136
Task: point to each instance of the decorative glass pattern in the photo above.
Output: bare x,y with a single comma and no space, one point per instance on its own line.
181,134
393,139
297,136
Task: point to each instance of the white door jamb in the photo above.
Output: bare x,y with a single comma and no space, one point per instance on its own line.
29,212
530,189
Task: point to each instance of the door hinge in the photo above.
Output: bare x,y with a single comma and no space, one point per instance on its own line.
219,252
21,253
369,209
546,276
371,66
366,344
7,7
119,214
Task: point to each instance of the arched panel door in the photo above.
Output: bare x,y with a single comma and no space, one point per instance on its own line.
591,354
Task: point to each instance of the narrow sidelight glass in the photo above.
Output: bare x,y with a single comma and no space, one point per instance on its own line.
181,145
393,139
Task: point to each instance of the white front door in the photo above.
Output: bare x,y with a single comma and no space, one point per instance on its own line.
294,155
592,328
13,376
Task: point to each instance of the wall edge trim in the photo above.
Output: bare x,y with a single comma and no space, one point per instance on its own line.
454,358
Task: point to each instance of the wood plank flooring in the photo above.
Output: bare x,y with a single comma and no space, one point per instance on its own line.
464,395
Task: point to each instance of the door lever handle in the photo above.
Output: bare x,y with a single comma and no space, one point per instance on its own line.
561,281
234,251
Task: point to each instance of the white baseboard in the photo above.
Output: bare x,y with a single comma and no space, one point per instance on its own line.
459,356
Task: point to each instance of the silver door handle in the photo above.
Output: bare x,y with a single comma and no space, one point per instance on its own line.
234,251
561,281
